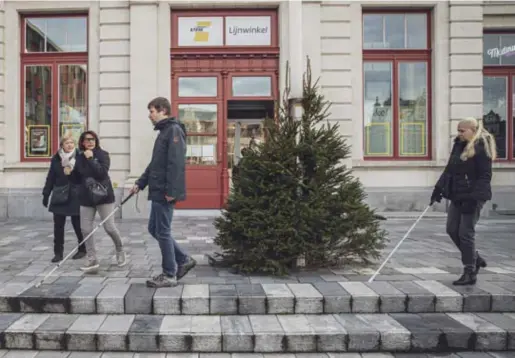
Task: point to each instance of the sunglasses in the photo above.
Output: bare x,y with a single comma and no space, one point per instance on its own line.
89,139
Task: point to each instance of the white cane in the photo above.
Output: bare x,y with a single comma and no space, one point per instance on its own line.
398,244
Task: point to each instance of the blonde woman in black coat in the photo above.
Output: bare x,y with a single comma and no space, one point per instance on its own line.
62,189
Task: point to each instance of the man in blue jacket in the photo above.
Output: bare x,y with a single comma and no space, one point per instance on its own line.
165,177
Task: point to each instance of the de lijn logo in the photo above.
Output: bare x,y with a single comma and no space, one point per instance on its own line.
248,30
201,31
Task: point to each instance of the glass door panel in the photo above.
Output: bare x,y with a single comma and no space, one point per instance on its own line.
495,89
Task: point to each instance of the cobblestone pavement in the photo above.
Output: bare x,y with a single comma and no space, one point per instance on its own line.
26,248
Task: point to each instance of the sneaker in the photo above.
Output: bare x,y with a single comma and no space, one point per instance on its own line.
186,267
91,267
121,258
162,280
79,255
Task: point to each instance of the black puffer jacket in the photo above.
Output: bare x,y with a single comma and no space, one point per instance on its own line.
467,180
97,168
56,178
165,175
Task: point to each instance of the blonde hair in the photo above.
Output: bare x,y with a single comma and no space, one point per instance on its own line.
66,138
480,134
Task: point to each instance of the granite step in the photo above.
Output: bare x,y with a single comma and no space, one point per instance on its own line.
404,332
68,296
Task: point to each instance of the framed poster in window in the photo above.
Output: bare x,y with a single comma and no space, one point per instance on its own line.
39,140
73,129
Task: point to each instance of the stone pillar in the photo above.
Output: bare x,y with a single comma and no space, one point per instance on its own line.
295,49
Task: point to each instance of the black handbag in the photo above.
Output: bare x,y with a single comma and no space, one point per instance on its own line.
97,192
60,195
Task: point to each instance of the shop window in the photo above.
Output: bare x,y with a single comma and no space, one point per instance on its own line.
198,86
55,82
251,86
396,85
200,121
498,91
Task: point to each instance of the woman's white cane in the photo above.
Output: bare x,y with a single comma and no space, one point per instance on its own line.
398,244
83,241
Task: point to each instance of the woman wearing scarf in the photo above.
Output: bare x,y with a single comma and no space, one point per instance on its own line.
63,183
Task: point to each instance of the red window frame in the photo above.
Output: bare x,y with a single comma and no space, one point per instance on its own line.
53,60
507,71
396,56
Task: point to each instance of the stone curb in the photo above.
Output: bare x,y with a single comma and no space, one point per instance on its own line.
432,332
298,298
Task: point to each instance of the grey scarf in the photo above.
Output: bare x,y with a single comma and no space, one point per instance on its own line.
67,159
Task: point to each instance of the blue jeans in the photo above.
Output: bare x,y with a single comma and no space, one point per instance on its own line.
160,227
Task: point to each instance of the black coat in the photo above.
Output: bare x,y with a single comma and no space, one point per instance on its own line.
165,175
97,168
469,180
56,178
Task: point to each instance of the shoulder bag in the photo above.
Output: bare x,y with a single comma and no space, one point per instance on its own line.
97,191
60,195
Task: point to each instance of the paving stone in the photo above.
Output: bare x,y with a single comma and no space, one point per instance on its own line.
447,300
195,299
51,298
418,298
268,334
298,333
457,336
19,334
474,298
6,319
85,355
144,332
364,300
82,300
251,299
223,299
329,334
207,334
112,334
488,336
394,337
307,298
112,299
390,298
51,334
167,300
424,335
361,336
279,297
52,354
502,300
504,322
81,336
175,334
336,299
138,299
237,334
8,294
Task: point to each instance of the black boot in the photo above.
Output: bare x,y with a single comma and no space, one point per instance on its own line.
79,255
480,263
469,277
57,258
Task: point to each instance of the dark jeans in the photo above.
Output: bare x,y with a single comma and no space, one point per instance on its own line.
59,223
160,227
461,227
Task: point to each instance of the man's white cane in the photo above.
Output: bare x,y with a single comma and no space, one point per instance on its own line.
398,244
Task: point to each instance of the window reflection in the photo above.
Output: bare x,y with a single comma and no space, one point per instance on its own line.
56,34
378,108
197,87
395,31
495,110
38,110
240,135
201,150
199,118
73,104
412,109
252,86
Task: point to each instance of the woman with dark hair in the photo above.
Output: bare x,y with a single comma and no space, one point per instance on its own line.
96,194
62,188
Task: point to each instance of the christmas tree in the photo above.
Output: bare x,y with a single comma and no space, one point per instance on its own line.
294,197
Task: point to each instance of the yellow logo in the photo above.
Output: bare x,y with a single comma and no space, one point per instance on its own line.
201,33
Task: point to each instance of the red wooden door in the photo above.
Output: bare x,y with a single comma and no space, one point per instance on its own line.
197,101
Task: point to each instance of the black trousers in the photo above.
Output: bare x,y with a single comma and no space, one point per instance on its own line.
461,227
59,223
